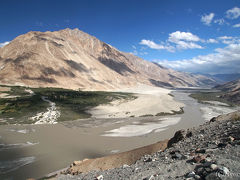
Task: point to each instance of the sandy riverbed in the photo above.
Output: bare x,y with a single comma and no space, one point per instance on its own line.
150,101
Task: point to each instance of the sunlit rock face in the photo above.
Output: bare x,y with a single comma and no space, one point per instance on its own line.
74,59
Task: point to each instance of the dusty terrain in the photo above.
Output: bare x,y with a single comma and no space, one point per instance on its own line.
210,151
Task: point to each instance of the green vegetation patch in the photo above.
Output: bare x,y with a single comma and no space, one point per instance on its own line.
72,104
210,96
181,111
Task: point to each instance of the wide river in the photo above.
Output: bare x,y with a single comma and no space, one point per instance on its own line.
31,151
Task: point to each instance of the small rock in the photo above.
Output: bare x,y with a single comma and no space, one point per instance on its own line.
178,136
208,170
213,166
198,159
222,145
100,177
230,138
213,119
125,166
149,177
197,177
177,156
207,164
212,176
148,159
191,174
208,159
224,170
200,151
189,134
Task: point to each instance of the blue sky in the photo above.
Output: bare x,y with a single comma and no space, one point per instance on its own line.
187,35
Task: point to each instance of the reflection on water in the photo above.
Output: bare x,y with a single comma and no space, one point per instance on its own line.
17,145
8,166
139,129
23,131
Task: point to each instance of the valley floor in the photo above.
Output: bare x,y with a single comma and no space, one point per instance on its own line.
32,150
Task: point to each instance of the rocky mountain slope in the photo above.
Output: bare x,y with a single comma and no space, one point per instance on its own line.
231,91
74,59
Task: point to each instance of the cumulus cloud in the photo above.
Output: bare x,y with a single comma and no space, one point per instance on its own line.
233,13
153,45
178,35
176,40
4,43
236,25
184,40
229,39
188,45
223,60
207,19
212,41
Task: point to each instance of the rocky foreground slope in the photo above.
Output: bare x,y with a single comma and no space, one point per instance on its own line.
73,59
210,151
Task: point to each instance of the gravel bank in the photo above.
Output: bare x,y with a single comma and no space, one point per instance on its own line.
210,151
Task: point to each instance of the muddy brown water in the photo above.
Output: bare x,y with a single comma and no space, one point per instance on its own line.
36,150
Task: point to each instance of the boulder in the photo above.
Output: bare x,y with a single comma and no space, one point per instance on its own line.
178,136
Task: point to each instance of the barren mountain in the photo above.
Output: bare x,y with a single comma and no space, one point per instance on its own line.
231,91
73,59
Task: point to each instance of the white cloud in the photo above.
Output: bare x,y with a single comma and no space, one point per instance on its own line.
151,44
236,25
229,39
188,45
4,43
212,41
154,45
225,37
224,60
220,21
207,19
233,13
176,40
184,40
178,35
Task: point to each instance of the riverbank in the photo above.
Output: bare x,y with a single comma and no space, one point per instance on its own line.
209,151
150,101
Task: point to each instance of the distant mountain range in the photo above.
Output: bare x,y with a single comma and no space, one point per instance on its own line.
74,59
231,91
223,78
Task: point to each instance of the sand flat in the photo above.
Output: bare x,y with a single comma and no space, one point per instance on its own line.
150,101
142,129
